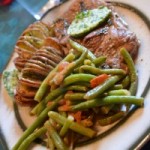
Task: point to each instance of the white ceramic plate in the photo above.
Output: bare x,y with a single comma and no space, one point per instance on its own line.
133,130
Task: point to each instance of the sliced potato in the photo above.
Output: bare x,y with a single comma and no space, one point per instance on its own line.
35,41
26,45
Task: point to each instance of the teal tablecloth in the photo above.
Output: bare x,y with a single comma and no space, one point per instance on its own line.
13,20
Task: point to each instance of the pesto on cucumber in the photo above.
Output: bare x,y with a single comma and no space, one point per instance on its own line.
88,20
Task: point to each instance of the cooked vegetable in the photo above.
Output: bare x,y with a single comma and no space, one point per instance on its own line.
111,119
99,61
95,92
130,63
98,80
77,78
80,88
58,78
97,71
45,84
73,126
117,87
66,126
50,97
126,82
132,70
75,96
38,122
108,100
25,143
119,92
81,49
55,137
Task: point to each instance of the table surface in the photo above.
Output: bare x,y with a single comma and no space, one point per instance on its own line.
13,20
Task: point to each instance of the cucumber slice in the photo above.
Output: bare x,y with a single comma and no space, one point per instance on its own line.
88,20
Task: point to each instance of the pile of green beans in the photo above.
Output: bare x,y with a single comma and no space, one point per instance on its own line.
68,105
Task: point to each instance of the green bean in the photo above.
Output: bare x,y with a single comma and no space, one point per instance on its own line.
55,137
57,80
76,70
126,82
107,101
119,92
87,84
63,113
74,96
100,89
132,71
54,124
25,144
38,122
55,93
76,102
45,84
99,61
111,119
117,87
66,125
73,126
80,88
50,97
98,71
128,59
74,78
87,62
133,87
81,49
50,143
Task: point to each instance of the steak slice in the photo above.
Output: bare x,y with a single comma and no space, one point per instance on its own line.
106,40
109,45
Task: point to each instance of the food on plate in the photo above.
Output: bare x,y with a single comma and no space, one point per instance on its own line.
69,104
105,39
76,75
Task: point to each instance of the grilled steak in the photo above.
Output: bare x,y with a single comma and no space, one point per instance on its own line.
106,40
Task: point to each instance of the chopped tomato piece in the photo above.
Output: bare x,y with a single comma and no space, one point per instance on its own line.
62,66
98,80
50,103
77,116
62,102
64,108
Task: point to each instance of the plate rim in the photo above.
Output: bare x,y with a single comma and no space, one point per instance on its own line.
146,136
